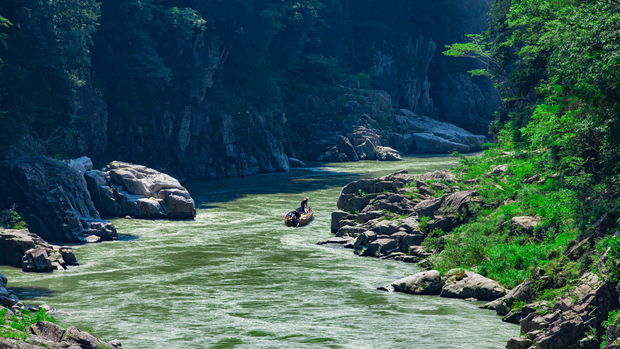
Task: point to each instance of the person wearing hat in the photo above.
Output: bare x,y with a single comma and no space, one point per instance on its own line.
304,205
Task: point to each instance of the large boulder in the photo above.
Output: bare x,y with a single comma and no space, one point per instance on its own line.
26,250
429,136
133,190
366,150
428,143
525,223
428,282
387,154
52,197
465,284
428,207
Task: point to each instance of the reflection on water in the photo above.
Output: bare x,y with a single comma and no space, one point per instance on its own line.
236,277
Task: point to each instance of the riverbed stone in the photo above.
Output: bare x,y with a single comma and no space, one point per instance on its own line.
428,283
466,284
139,192
381,246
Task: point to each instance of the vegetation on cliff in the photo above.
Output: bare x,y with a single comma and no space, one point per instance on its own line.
557,157
146,58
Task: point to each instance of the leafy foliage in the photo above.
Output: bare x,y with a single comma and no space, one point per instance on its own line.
12,220
557,63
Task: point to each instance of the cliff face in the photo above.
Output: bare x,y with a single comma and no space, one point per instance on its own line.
419,78
190,134
186,135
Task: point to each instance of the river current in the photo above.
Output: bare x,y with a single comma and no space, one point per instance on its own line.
236,277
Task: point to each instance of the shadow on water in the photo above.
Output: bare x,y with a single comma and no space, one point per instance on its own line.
32,292
317,176
208,193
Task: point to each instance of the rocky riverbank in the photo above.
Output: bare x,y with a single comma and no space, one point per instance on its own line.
24,327
412,218
62,201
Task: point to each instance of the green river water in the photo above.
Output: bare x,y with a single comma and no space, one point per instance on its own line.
236,277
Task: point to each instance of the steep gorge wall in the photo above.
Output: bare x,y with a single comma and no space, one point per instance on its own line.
189,135
421,79
186,135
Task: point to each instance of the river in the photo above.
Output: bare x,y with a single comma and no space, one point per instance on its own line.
236,277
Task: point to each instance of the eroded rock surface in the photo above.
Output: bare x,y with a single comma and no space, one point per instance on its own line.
140,192
53,199
569,320
26,250
428,282
428,136
466,284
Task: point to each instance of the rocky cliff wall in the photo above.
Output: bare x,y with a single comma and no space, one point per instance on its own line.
189,135
185,134
421,79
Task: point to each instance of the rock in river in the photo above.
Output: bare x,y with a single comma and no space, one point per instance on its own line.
140,192
428,282
25,250
465,284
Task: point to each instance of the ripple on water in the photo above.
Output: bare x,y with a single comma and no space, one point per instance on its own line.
236,277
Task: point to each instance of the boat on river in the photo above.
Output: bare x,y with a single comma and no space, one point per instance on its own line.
304,219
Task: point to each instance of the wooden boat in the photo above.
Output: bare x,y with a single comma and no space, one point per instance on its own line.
303,220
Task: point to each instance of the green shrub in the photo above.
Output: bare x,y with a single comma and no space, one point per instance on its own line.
12,220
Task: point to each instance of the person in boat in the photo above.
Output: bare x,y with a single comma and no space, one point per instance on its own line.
304,205
296,218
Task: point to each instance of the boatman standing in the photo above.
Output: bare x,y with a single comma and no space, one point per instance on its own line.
304,205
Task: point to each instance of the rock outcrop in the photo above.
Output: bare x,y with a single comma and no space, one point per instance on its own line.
53,200
455,284
570,319
133,190
383,214
424,135
465,284
428,282
26,250
7,297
